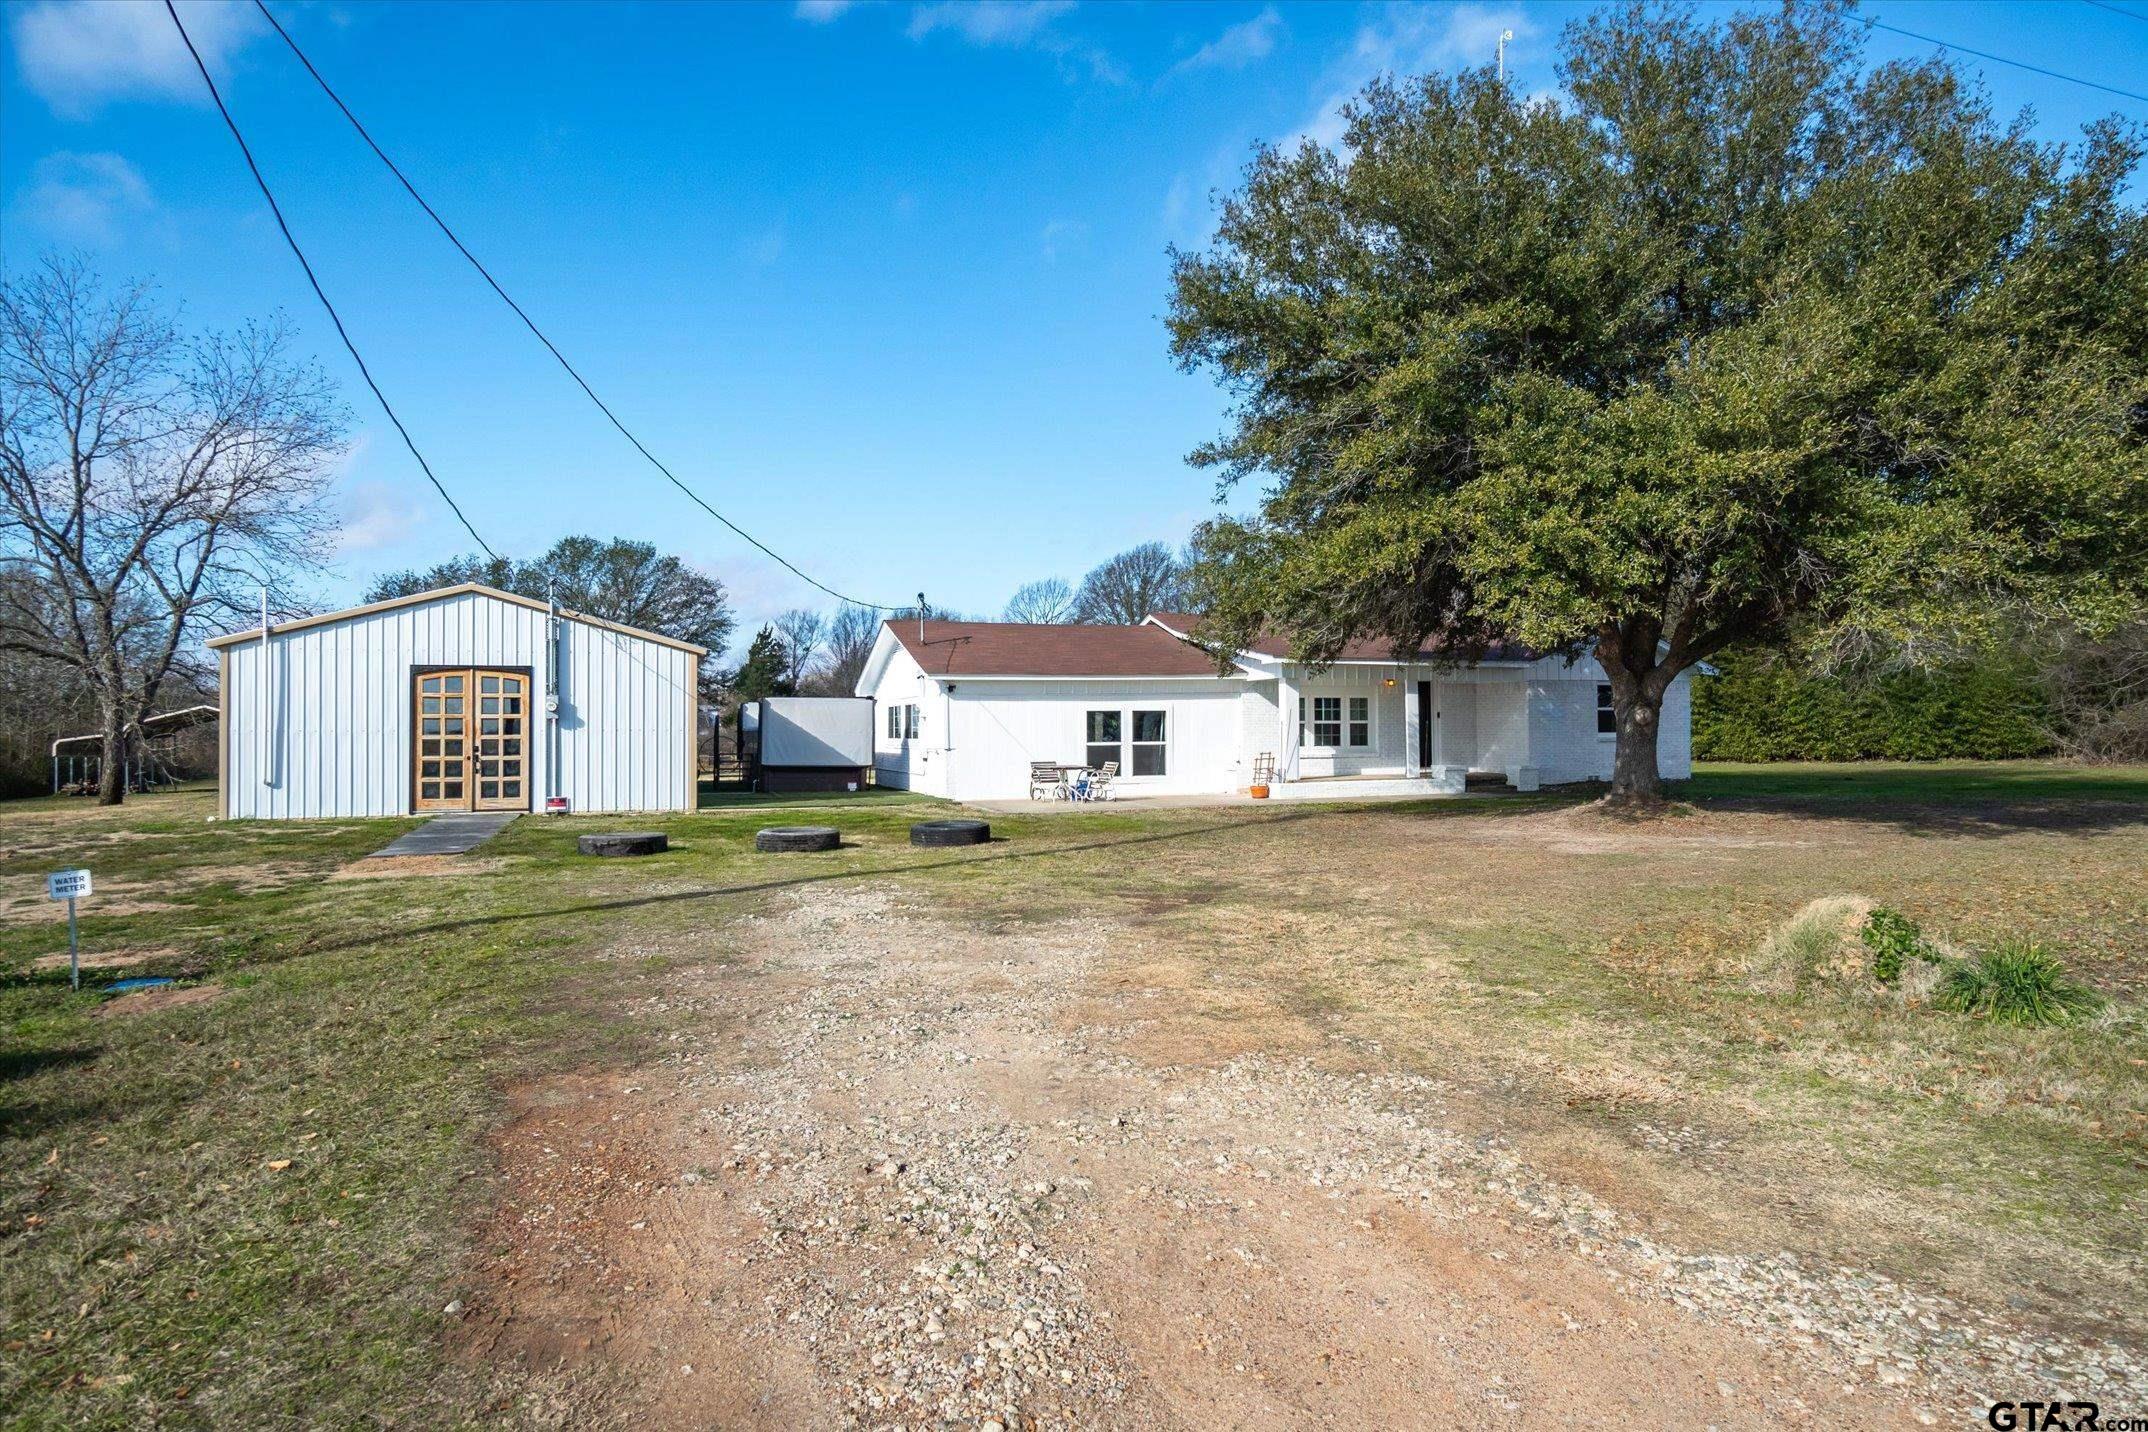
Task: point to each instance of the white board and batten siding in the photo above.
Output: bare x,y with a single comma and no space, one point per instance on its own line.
976,736
334,735
997,727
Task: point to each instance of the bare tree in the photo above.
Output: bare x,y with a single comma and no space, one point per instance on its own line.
147,480
1125,589
851,633
801,630
1047,602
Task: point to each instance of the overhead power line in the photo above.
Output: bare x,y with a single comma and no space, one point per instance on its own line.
550,347
318,291
2003,60
2117,10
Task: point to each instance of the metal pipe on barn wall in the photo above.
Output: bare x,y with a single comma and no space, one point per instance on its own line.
261,691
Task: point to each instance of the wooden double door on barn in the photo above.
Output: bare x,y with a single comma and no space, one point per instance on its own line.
471,750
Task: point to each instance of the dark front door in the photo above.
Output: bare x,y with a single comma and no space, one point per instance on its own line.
1425,718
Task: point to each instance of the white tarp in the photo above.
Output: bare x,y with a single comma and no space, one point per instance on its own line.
821,731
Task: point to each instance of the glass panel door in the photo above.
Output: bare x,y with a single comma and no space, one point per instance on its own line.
502,741
441,751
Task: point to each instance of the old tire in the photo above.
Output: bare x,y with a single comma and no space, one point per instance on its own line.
785,838
632,842
950,832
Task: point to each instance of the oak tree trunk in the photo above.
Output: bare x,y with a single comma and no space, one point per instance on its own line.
1640,674
1635,777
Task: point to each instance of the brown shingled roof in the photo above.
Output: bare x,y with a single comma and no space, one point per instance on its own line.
1361,649
1023,649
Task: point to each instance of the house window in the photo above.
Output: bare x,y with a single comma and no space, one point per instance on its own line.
1361,720
1327,721
1103,738
909,722
1606,710
895,723
1148,743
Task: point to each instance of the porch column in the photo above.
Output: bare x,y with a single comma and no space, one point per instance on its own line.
1410,724
1286,703
1439,746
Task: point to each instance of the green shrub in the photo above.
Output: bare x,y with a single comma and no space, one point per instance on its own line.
1894,940
1755,709
2018,982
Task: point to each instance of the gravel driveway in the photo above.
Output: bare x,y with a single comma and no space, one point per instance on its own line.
905,1173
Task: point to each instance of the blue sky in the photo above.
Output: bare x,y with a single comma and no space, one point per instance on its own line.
885,282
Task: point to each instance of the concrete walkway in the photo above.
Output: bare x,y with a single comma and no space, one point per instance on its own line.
450,834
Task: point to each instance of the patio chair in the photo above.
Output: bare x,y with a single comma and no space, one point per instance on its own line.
1047,782
1096,784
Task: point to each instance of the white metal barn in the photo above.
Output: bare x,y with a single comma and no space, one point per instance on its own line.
465,698
966,707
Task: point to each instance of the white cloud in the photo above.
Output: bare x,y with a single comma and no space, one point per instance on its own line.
1412,41
79,54
1238,46
85,198
763,249
1061,235
1188,215
988,22
1016,25
375,516
820,12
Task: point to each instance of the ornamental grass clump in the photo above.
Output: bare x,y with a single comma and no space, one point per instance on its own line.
2016,982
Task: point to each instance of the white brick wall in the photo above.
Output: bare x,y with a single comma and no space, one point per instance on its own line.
1260,729
1384,755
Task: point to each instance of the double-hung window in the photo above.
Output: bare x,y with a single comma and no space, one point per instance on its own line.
1328,729
1148,743
1327,721
1105,731
1606,710
894,723
909,722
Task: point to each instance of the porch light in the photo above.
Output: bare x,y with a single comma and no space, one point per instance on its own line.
1390,681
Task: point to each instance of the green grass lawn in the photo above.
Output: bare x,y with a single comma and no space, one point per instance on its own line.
251,1210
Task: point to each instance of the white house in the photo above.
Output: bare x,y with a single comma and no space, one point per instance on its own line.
465,698
963,708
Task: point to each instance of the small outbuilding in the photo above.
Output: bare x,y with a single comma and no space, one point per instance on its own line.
463,698
809,743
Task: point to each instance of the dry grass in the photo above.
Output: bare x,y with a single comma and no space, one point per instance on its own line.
1581,986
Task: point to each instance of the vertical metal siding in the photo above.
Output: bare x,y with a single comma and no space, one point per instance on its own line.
340,711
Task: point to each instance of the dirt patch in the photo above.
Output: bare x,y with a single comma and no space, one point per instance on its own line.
1588,830
252,875
908,1172
110,959
154,1001
36,910
411,867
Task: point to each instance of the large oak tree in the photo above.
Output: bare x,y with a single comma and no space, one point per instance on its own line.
1737,340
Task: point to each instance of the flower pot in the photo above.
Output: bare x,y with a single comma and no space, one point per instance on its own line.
1259,793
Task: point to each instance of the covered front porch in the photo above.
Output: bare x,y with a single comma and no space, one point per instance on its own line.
1389,728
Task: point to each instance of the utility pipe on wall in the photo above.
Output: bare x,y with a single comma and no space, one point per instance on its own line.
261,685
551,693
